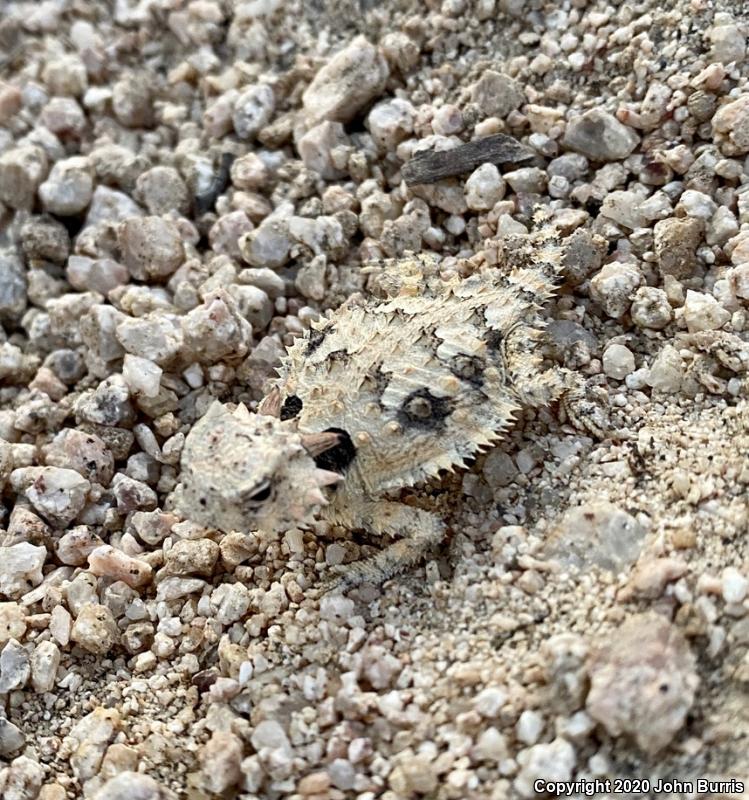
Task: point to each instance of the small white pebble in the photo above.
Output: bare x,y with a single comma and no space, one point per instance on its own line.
618,361
734,585
529,726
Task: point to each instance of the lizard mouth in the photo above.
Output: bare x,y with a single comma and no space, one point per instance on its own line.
260,493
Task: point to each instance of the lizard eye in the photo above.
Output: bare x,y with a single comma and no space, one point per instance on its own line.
260,493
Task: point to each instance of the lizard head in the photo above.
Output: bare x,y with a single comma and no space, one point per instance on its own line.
243,471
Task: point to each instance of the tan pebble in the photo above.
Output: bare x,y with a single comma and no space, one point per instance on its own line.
413,775
684,538
10,101
60,625
12,622
314,783
118,758
220,759
93,733
95,629
52,791
192,556
44,663
649,578
106,561
709,584
643,681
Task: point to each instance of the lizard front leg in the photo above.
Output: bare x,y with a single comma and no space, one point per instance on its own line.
536,387
420,531
583,408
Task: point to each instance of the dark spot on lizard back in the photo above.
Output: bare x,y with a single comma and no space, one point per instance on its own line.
316,338
376,382
468,368
339,355
338,458
422,409
292,405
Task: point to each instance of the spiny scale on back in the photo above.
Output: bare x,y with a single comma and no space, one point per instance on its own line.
385,393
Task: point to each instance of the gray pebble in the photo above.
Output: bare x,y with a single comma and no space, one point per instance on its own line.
352,77
97,330
667,371
526,179
86,453
161,189
583,255
11,738
46,239
497,94
68,365
64,117
57,493
728,43
131,101
253,110
650,308
13,297
130,786
108,404
484,188
254,305
613,286
117,165
151,247
97,274
157,336
44,663
598,533
572,166
731,123
20,568
618,361
249,172
267,280
676,240
217,329
110,206
14,667
22,170
600,136
391,121
316,146
133,495
69,187
268,245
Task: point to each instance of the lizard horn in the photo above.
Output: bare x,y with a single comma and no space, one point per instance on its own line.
270,405
316,443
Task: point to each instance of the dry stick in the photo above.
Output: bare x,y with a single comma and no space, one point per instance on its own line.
497,149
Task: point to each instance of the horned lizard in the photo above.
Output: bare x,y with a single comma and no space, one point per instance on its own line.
383,394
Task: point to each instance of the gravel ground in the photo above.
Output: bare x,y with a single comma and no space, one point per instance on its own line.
184,187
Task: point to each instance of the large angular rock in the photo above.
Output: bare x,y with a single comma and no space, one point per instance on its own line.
642,681
351,79
596,534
